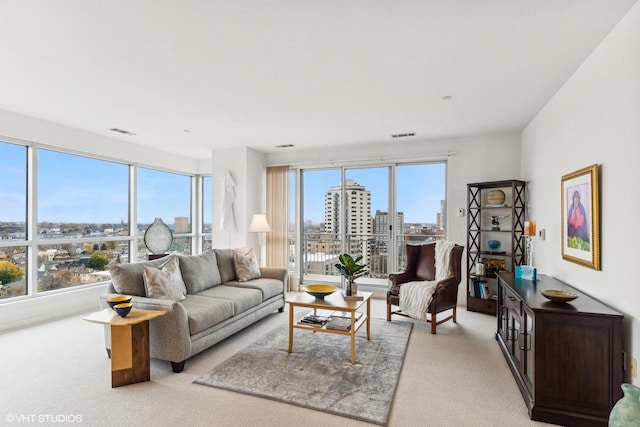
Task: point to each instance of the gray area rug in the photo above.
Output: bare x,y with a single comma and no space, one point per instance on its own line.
318,374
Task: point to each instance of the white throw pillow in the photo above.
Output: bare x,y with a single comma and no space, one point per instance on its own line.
246,267
166,282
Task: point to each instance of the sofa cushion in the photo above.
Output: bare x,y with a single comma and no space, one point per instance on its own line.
165,282
268,287
205,312
127,278
246,267
242,298
199,272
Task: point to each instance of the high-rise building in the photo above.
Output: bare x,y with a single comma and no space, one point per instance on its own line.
442,216
357,207
381,223
181,225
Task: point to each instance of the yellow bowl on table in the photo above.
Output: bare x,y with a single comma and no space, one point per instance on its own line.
120,299
123,309
319,291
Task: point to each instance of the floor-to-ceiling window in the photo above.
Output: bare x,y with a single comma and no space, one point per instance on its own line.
13,220
82,214
65,218
167,196
420,194
370,212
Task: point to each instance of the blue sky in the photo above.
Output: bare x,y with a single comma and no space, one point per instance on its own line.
84,190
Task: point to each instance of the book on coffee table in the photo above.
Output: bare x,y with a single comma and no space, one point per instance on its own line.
339,323
314,319
357,296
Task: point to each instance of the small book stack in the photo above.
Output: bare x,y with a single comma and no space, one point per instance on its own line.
341,320
355,297
339,323
314,319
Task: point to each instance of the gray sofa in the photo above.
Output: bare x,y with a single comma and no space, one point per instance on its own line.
216,304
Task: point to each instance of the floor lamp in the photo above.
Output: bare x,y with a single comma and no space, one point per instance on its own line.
260,225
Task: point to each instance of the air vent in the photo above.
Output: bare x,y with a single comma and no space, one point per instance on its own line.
403,135
122,131
285,146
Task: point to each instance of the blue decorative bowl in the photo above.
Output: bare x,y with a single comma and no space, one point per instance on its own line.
123,309
120,299
319,291
493,244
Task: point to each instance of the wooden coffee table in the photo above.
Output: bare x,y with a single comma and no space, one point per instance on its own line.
130,358
332,302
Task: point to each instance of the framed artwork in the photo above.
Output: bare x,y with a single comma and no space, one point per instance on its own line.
581,217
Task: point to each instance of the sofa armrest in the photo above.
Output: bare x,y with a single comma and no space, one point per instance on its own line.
275,273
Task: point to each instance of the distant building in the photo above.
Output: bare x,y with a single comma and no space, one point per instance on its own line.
381,222
442,215
358,209
181,225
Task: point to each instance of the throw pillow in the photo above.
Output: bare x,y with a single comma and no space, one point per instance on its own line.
127,278
246,267
165,283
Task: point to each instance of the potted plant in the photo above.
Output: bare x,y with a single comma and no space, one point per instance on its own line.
351,269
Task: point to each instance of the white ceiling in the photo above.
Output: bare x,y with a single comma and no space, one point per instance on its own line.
309,73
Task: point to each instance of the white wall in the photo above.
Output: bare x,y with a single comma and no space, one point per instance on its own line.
594,118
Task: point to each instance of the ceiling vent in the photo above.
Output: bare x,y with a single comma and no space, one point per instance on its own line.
403,135
285,146
122,131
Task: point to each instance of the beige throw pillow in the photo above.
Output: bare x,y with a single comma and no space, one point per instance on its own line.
165,283
246,267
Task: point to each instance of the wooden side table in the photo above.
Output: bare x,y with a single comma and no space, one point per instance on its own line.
130,357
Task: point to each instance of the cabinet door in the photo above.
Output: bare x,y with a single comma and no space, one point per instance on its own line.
525,344
515,335
503,314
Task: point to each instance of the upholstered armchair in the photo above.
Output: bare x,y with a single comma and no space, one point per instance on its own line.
421,266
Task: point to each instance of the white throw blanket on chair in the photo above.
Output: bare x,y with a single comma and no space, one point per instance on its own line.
415,297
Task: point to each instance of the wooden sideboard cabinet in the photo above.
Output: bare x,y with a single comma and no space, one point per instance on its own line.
565,357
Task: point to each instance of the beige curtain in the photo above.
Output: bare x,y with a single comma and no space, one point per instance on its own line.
278,215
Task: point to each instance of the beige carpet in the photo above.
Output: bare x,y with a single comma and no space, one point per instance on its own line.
60,369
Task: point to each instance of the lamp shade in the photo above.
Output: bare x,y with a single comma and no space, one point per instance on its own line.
259,224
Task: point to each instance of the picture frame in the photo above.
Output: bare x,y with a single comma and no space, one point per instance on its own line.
581,217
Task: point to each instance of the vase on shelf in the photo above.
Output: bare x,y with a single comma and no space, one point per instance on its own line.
158,237
626,411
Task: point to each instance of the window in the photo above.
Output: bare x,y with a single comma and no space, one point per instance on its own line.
80,220
358,210
82,208
167,196
13,220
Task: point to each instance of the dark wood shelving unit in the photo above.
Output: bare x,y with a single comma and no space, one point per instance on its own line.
479,230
